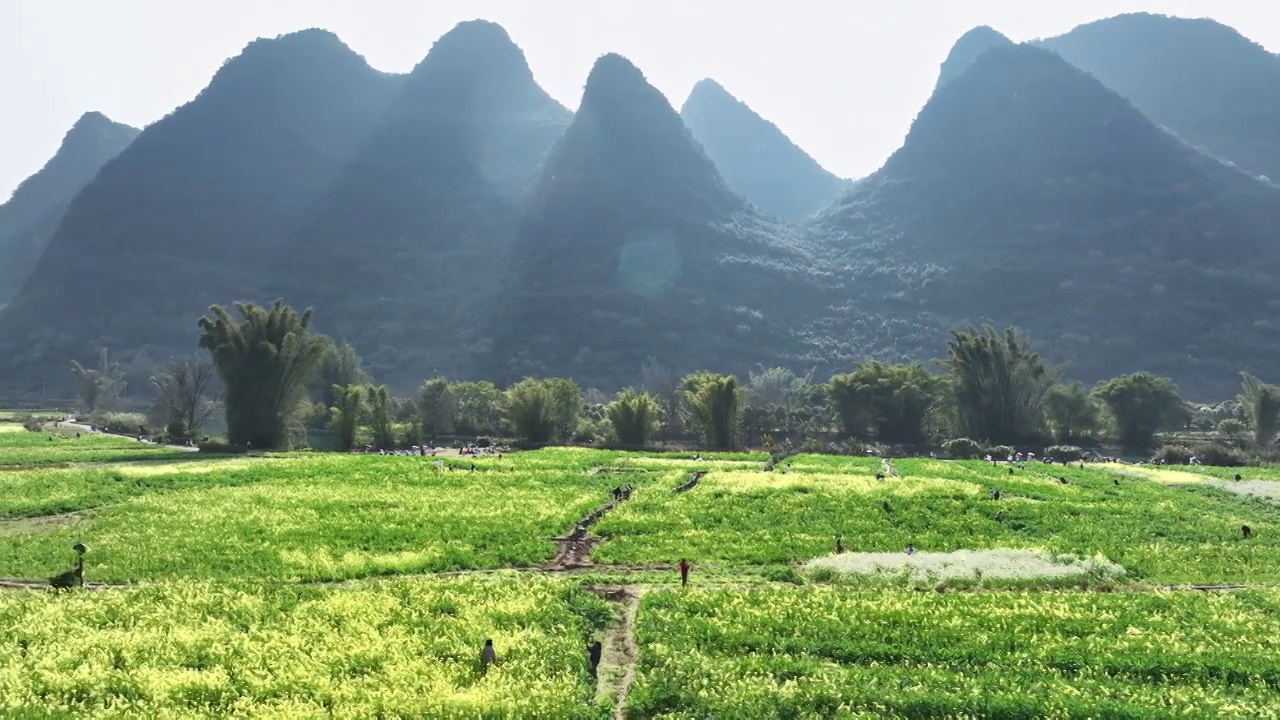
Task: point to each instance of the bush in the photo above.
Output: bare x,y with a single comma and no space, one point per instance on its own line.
1220,455
1064,453
962,449
1231,427
118,422
1215,454
1000,452
484,442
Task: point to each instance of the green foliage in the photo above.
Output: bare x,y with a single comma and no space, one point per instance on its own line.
1001,386
634,416
378,401
566,405
530,407
894,403
437,408
1071,413
1261,403
479,408
962,449
344,416
341,367
1231,427
30,449
100,386
265,361
714,402
1142,404
127,423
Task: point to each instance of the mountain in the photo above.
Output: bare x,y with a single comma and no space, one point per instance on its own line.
185,216
1029,194
966,50
755,157
1204,81
33,213
403,253
634,246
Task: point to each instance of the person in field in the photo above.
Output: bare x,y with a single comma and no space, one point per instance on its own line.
488,656
684,572
594,650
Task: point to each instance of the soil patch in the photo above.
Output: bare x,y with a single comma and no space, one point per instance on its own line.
969,565
44,523
1263,489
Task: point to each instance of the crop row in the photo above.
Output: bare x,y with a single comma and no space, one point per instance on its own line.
826,652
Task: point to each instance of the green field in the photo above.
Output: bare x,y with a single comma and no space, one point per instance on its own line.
309,585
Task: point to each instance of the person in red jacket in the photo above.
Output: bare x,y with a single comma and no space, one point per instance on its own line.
684,572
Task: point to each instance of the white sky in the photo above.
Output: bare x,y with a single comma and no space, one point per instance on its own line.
843,78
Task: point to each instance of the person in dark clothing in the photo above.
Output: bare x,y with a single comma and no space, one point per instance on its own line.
839,545
488,656
684,572
594,650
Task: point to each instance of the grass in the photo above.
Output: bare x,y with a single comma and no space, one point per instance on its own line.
828,652
31,448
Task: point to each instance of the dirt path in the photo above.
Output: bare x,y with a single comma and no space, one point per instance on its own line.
83,428
694,478
574,550
617,670
33,584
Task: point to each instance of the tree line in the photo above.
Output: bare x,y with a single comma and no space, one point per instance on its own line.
274,380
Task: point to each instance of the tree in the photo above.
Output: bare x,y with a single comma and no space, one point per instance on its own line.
379,404
773,397
100,386
530,407
1231,427
437,407
663,383
566,406
265,361
341,367
1142,404
182,390
634,416
344,415
1072,414
714,403
478,408
1261,403
1000,385
894,403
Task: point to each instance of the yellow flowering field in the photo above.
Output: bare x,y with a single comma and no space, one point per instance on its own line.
403,648
828,652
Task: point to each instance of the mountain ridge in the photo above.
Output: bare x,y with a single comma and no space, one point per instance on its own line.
755,157
32,213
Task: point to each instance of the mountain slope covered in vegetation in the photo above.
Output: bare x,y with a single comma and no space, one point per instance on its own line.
755,157
188,213
634,246
1029,194
1205,81
408,249
31,216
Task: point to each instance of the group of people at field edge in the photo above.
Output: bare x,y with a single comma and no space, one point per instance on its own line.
426,451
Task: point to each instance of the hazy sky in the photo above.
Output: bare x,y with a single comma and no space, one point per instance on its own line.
843,78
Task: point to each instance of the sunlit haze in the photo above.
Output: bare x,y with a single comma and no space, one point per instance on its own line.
842,79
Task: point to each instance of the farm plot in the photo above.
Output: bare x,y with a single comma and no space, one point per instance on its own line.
1156,533
32,448
403,648
309,517
824,652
